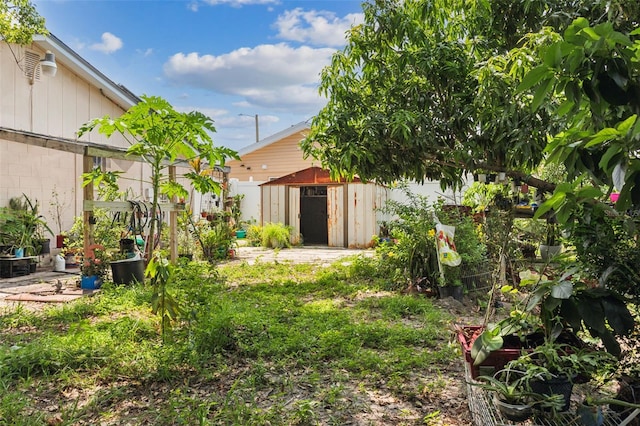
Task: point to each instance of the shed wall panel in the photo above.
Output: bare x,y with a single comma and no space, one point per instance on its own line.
335,210
362,200
273,204
294,213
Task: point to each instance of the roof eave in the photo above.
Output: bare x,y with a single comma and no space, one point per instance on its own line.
274,138
117,93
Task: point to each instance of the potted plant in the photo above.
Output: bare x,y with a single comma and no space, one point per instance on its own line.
512,395
57,207
551,369
24,227
551,246
93,267
186,238
215,240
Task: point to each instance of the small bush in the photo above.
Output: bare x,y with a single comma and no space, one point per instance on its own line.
276,235
254,235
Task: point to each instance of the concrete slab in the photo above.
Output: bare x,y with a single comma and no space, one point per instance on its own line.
46,286
306,254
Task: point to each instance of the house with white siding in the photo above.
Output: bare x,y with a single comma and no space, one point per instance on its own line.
40,151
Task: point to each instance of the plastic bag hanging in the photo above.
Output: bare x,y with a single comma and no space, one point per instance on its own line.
447,254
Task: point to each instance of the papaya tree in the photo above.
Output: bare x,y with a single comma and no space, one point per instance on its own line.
20,21
159,136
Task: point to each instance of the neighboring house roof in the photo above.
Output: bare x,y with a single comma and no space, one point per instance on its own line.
274,138
116,92
310,176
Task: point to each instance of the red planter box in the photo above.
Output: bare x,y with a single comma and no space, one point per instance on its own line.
494,362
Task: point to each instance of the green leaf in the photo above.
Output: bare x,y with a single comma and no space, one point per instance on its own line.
618,315
592,314
591,33
541,93
534,77
627,124
565,108
485,343
563,290
589,192
603,135
611,152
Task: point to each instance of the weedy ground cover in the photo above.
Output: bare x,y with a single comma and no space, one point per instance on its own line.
270,343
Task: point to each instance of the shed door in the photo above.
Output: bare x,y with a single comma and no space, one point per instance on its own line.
313,214
335,203
294,213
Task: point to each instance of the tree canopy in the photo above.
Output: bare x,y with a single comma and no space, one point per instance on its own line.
19,21
429,89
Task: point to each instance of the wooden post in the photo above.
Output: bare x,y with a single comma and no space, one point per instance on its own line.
173,222
87,215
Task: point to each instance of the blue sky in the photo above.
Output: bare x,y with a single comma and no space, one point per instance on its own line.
220,57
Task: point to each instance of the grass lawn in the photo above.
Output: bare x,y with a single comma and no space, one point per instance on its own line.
266,344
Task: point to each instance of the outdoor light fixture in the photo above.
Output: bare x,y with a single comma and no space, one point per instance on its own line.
47,65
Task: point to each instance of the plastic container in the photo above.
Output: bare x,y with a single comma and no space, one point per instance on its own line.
90,283
59,263
128,271
494,362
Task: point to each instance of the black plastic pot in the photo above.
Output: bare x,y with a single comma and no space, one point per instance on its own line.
127,245
46,246
128,271
560,385
455,291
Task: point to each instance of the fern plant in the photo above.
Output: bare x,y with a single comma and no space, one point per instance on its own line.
276,235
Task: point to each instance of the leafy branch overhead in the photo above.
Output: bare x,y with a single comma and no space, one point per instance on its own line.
19,22
428,89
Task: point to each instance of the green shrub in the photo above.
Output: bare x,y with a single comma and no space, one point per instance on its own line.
411,256
254,235
276,235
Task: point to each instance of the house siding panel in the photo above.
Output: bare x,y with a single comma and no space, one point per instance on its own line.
281,158
55,106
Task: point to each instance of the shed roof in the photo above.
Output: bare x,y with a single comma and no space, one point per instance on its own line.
310,176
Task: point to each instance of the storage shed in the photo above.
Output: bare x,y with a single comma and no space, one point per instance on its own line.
324,211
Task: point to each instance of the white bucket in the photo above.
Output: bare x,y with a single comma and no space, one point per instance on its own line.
58,263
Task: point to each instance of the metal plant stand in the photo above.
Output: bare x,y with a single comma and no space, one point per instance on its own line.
484,412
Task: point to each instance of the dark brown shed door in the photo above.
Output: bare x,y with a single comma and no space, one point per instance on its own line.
313,214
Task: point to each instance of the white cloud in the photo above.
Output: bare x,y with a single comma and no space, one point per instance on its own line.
318,28
145,52
273,76
209,112
240,3
110,43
